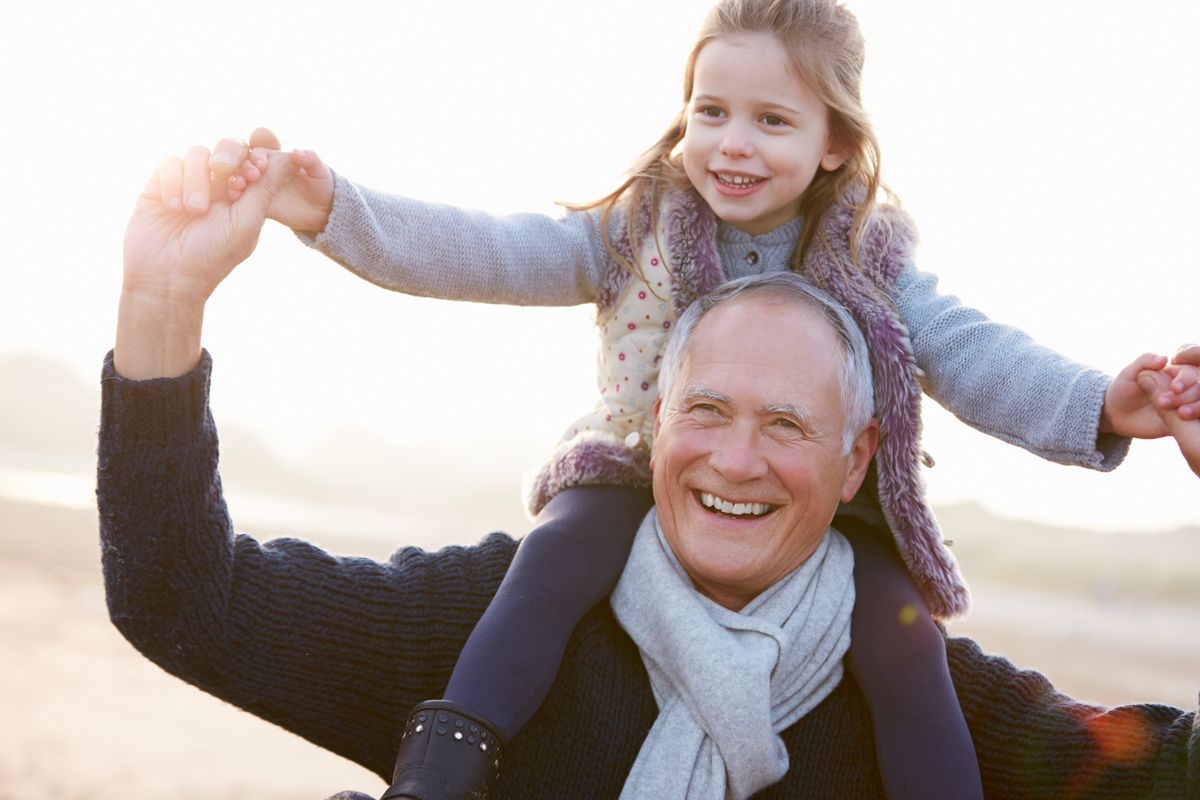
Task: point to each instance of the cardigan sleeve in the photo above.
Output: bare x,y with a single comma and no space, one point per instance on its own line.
433,250
1000,381
1034,742
334,649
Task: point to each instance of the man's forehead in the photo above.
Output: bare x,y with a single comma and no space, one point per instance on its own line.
763,353
757,328
772,314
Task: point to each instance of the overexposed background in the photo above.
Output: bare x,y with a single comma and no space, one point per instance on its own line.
1042,147
1045,149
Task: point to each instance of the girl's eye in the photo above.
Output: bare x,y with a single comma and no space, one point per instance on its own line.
710,111
771,121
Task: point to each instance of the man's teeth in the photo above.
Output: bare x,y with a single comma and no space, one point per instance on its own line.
738,180
737,509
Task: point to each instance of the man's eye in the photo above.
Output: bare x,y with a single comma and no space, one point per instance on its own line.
788,426
704,410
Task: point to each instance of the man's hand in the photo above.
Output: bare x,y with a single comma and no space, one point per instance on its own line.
184,237
1186,432
1184,370
302,204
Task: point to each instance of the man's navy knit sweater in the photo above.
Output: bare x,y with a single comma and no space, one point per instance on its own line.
338,649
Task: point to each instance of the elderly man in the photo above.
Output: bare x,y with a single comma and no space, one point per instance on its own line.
715,671
751,457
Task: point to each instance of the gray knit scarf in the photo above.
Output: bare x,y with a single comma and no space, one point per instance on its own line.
727,682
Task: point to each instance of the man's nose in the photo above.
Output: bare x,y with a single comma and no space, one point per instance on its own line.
738,455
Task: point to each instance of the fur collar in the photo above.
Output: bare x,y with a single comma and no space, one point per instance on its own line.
890,237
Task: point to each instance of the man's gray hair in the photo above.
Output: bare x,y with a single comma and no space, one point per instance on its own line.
857,390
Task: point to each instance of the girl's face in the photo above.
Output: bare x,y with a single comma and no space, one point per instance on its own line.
756,134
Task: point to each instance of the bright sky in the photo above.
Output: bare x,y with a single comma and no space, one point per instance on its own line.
1045,149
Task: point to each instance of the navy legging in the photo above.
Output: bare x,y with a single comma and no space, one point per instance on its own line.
898,658
569,562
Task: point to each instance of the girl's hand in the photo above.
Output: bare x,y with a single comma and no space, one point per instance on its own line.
1128,410
303,204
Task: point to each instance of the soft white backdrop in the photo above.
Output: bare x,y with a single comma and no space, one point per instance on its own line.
1045,148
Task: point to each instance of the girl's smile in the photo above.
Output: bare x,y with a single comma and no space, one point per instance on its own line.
736,185
756,134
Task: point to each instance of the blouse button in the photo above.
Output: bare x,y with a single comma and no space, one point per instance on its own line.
752,257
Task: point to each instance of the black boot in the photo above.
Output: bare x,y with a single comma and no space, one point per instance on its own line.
446,753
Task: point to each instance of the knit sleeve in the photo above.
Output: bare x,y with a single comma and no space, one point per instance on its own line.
334,649
1034,742
433,250
1000,381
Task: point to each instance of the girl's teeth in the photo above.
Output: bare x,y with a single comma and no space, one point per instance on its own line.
738,180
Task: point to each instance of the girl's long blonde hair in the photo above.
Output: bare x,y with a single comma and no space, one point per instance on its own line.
825,46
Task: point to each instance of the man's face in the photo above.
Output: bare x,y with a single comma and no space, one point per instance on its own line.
748,463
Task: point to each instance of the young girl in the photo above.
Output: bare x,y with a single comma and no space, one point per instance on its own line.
771,164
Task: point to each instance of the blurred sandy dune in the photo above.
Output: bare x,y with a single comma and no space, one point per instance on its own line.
87,717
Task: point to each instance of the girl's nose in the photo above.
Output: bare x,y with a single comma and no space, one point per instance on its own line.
736,145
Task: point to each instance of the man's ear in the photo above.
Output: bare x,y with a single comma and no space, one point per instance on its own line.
860,455
657,425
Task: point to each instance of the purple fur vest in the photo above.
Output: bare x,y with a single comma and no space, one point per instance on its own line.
694,269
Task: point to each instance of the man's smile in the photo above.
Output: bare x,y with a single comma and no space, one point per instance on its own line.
734,509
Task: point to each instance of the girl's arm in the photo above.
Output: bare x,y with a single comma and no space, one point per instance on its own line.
433,250
1000,381
423,249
